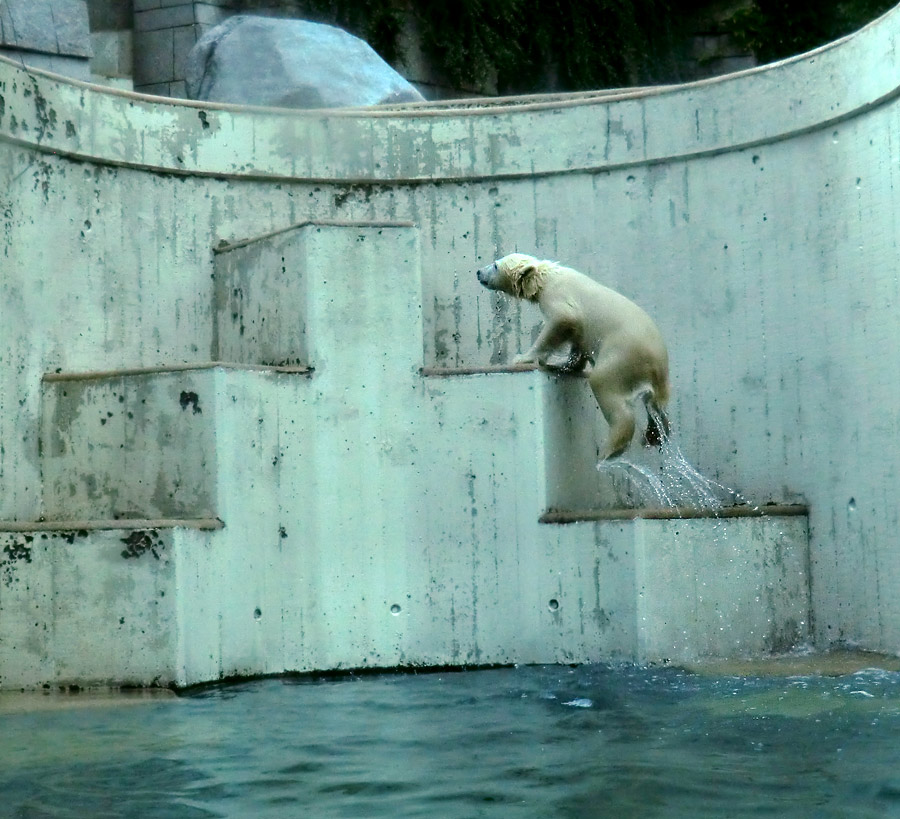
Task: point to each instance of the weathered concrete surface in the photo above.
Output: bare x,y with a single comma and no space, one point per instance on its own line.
709,588
136,446
728,209
182,606
372,516
285,63
90,608
260,301
489,140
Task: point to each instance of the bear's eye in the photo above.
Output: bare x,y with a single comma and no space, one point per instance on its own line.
494,265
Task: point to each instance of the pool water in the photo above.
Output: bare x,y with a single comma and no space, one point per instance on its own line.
591,741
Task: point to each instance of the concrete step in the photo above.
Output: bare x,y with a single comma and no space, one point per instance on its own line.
135,444
94,603
376,514
154,442
179,603
284,297
144,443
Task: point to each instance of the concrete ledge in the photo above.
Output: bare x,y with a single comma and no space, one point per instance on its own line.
267,286
448,372
673,513
24,526
98,375
141,603
512,140
226,247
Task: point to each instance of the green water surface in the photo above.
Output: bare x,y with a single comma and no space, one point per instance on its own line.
591,741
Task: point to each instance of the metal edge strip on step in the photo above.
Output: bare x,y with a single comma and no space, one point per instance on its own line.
207,524
445,372
225,246
672,513
298,369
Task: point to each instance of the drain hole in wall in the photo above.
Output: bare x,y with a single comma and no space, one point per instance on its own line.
852,505
395,609
553,605
257,613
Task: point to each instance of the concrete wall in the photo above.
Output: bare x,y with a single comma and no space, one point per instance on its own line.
184,604
217,520
754,216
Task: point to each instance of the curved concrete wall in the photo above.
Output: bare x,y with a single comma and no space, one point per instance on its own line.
753,215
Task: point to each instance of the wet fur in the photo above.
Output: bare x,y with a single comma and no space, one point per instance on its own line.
604,330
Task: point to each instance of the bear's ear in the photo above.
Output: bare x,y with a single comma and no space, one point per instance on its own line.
529,281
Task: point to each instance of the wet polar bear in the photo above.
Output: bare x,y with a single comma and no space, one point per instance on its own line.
623,346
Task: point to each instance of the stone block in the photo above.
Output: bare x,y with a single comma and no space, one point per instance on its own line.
183,39
157,89
113,53
47,26
154,61
78,68
210,15
164,18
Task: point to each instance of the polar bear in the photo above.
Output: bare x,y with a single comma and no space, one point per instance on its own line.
625,350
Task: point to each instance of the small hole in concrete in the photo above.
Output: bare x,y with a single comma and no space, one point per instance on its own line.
257,613
851,506
553,605
395,609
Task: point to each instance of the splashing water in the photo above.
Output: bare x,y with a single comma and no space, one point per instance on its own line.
673,482
651,489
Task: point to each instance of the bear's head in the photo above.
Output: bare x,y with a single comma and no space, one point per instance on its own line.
516,274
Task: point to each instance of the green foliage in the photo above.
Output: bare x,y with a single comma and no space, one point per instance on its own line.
527,45
522,46
378,22
774,29
470,39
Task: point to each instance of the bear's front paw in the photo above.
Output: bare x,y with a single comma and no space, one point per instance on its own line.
574,364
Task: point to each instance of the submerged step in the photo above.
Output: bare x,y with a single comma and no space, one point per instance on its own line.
674,513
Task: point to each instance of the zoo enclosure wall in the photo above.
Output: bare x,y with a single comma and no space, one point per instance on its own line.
755,216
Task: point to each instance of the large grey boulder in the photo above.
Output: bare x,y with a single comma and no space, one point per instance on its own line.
291,64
